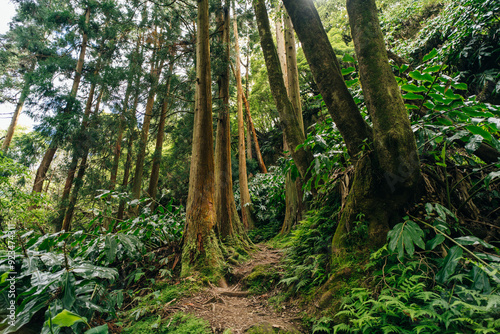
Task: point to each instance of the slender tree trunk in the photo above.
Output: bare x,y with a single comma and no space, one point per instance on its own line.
51,151
139,167
15,117
79,151
81,170
293,188
126,173
326,72
251,128
288,117
155,168
386,179
201,251
245,201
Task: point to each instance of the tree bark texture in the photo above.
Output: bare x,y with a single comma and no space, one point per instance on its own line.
201,251
251,128
15,117
326,72
245,201
288,117
387,178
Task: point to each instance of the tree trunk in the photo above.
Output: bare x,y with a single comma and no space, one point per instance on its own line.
288,117
78,151
126,173
51,151
15,117
201,251
81,170
387,178
245,201
326,72
260,160
293,188
155,168
225,207
139,167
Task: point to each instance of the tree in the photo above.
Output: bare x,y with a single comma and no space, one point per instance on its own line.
200,250
245,201
288,117
386,177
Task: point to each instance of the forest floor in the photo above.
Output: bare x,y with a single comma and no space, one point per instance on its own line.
239,306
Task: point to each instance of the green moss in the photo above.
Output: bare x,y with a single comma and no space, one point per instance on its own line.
267,328
262,279
179,323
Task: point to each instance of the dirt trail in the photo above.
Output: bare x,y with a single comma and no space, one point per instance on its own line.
235,308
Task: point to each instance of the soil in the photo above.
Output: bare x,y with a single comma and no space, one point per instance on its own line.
234,307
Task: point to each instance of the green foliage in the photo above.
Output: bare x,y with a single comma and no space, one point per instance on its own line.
426,293
179,323
268,200
307,260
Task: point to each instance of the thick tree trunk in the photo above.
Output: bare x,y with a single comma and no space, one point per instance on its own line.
155,168
260,160
51,151
288,117
200,250
293,188
245,201
15,117
386,179
326,72
228,225
139,167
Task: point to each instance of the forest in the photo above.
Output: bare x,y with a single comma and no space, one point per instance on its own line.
236,166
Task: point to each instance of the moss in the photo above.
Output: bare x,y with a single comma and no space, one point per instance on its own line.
267,328
179,323
262,278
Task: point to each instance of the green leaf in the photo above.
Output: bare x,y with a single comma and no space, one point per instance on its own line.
413,88
349,70
110,247
68,282
403,68
348,59
474,143
481,280
98,330
461,86
449,264
421,77
436,241
432,69
404,236
474,129
413,96
67,319
350,83
470,240
430,55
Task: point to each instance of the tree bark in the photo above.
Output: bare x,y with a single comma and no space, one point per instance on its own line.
288,117
260,160
15,117
293,188
201,251
326,72
51,151
245,201
155,168
78,151
229,226
387,178
139,167
81,170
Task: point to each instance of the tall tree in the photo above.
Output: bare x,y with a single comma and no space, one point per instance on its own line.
288,118
51,151
201,251
387,177
245,201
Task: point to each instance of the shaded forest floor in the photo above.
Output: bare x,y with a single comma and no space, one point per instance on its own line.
243,305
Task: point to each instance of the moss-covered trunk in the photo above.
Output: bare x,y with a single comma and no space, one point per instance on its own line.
200,250
387,178
288,117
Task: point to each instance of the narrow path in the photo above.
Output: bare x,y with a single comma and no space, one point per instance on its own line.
235,308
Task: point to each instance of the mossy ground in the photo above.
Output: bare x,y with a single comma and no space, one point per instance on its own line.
179,323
